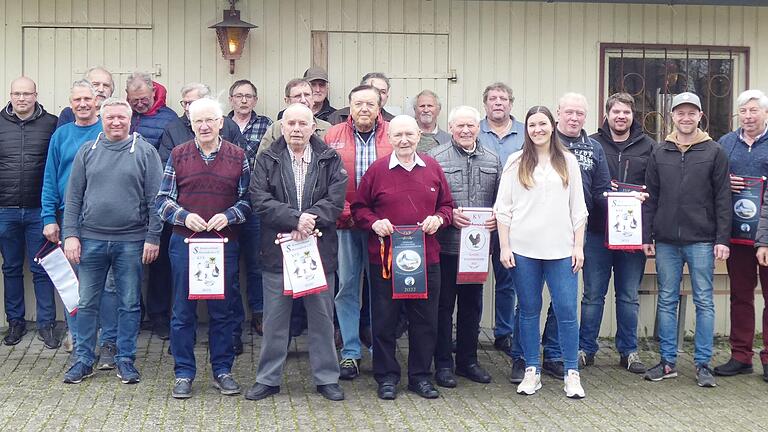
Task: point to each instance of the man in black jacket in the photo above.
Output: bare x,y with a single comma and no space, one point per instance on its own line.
688,215
627,150
25,130
298,185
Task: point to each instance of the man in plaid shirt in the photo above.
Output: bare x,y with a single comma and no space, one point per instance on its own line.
243,97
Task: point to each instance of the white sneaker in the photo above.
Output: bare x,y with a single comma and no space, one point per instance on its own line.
573,388
531,382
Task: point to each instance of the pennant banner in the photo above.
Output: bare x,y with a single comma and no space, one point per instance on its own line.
206,268
303,272
474,247
63,277
746,211
625,224
409,270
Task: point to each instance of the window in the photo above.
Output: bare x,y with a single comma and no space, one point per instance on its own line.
654,74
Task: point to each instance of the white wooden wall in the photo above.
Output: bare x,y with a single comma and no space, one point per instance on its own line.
541,49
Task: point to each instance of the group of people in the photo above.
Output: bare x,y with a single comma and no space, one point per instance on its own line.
125,183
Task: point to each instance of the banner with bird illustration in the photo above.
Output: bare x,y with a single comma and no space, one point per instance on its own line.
474,247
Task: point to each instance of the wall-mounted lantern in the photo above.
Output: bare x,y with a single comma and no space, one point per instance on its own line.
232,33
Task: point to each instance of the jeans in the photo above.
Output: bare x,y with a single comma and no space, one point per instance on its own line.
158,301
505,313
530,275
468,299
184,316
700,258
97,257
353,260
628,269
21,229
741,272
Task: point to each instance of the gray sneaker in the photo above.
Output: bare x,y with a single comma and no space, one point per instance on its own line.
107,357
704,376
661,371
632,363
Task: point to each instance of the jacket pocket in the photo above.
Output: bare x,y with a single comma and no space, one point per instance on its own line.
455,177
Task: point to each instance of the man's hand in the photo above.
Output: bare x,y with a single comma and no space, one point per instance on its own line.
306,223
217,222
737,183
722,252
195,222
649,249
150,254
641,196
614,186
460,220
430,224
72,249
383,228
51,232
297,235
762,256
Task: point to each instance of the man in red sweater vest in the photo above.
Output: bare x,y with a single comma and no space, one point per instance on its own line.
403,189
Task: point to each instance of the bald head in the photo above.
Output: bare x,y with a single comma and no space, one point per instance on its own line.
403,121
297,125
23,97
404,135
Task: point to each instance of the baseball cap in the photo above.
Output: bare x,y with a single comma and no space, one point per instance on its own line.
686,98
315,73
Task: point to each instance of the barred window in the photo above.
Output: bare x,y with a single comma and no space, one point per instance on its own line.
654,74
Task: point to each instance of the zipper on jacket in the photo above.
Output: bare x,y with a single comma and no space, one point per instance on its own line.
682,176
21,165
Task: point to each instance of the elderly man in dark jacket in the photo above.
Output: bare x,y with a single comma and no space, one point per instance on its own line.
25,130
298,186
473,173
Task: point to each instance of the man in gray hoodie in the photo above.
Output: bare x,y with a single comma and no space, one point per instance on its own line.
110,222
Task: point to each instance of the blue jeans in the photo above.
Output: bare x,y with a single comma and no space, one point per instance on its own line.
184,313
700,258
108,311
96,259
21,230
250,237
628,269
353,260
505,313
530,275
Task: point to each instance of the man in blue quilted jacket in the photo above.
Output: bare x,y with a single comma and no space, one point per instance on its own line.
150,114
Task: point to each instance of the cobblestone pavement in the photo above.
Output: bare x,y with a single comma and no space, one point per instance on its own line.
32,397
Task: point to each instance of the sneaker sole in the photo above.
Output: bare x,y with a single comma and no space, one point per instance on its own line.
226,392
128,381
66,381
574,395
706,385
181,395
739,372
106,366
525,393
671,375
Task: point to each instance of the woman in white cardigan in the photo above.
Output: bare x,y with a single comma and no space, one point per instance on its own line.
541,216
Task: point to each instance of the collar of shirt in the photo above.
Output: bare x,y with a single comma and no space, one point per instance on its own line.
213,154
485,126
757,138
394,161
306,157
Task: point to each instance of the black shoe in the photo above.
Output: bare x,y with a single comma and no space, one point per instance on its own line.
366,337
474,372
257,325
503,344
444,378
160,329
733,367
424,389
765,372
331,392
47,334
349,369
182,388
518,371
237,346
554,369
226,384
260,391
387,391
16,330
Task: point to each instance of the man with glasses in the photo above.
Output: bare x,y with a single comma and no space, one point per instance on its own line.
297,90
150,114
25,132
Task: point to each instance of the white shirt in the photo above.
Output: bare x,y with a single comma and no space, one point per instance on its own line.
394,161
542,220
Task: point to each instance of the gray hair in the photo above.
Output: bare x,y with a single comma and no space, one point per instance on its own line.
371,75
427,93
87,74
498,86
750,95
205,103
574,97
138,79
464,109
113,101
202,89
83,83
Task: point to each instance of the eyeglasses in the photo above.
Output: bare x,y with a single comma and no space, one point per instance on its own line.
144,100
185,104
243,96
207,122
22,95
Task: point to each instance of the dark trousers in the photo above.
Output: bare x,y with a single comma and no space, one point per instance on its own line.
184,320
741,272
422,328
159,294
470,309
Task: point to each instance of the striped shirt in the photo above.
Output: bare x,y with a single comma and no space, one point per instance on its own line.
365,153
300,167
